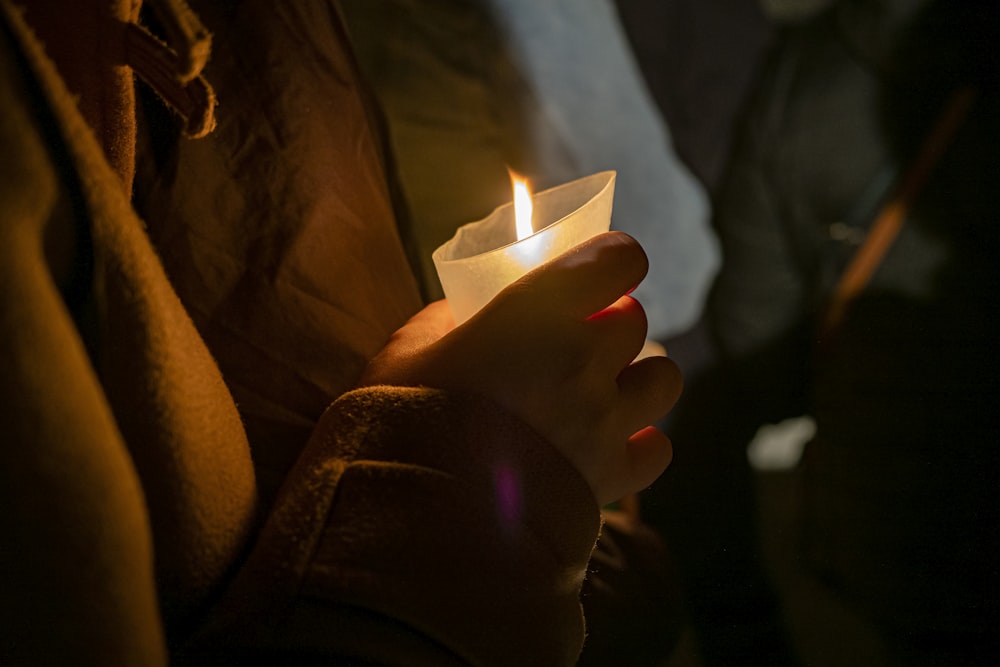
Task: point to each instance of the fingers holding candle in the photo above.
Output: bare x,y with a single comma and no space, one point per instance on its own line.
430,324
647,455
618,452
566,335
401,361
549,334
622,326
593,275
555,349
636,453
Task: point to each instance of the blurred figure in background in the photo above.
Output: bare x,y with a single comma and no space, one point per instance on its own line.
699,59
868,111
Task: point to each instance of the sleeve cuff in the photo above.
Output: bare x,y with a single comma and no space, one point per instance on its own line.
439,512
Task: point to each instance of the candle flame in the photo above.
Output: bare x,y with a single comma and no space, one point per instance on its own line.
522,206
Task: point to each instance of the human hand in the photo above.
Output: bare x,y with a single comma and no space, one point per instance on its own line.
555,348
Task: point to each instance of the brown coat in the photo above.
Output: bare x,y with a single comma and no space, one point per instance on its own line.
416,527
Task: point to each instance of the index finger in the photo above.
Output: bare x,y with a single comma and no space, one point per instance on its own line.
591,276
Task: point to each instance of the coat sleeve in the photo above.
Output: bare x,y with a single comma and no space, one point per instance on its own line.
419,527
76,560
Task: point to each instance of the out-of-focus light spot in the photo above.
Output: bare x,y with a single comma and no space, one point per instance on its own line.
779,446
507,484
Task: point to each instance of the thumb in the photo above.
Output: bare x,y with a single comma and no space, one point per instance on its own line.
398,359
592,275
424,328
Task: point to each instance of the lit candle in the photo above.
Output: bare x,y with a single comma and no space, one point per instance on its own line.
522,207
487,255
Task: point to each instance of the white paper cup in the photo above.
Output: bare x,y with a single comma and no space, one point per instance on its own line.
485,256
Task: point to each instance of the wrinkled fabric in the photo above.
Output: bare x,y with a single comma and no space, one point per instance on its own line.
279,230
418,526
387,547
116,391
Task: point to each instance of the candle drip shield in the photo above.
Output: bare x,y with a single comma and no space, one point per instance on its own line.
485,256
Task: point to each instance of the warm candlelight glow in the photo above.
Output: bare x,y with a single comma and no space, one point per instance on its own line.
522,206
484,257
